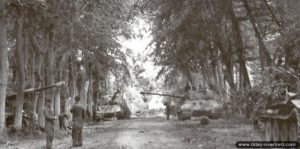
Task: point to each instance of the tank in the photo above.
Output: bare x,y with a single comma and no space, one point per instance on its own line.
281,120
112,109
211,108
109,111
200,104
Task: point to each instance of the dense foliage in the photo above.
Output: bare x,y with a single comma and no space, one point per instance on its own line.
65,40
237,46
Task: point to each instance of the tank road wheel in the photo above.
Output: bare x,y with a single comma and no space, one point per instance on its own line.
268,130
275,131
284,133
293,131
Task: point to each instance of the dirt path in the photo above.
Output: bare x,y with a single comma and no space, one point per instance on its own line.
154,133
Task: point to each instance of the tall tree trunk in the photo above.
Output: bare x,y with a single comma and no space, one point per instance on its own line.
40,108
72,71
215,78
96,94
227,66
229,77
26,57
37,77
49,64
3,68
41,97
57,109
60,72
72,79
20,74
83,89
30,72
221,84
244,77
190,78
208,71
264,53
65,95
90,91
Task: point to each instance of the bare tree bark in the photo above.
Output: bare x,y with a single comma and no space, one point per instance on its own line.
65,95
57,109
40,108
90,90
28,57
20,73
37,72
72,73
220,84
84,93
244,77
41,100
97,93
82,86
72,79
3,68
60,72
227,64
263,51
49,64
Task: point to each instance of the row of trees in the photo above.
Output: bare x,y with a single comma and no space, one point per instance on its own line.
227,42
224,40
46,41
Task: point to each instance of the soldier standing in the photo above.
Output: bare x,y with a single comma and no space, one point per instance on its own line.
168,109
49,124
78,117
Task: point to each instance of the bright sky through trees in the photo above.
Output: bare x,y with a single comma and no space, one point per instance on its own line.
139,47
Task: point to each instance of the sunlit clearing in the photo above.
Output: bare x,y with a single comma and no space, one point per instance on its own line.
140,49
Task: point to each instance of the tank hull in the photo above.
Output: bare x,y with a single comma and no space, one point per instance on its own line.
281,122
210,108
109,112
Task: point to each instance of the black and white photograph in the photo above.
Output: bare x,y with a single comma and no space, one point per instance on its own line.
149,74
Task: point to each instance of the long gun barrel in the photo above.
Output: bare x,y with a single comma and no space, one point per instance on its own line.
31,90
168,95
